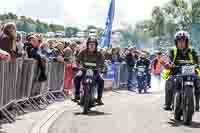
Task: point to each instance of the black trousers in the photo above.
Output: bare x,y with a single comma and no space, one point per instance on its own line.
97,78
170,89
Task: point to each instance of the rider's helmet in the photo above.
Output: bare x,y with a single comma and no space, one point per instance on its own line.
92,40
182,35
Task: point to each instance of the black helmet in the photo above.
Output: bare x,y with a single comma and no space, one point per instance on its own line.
92,40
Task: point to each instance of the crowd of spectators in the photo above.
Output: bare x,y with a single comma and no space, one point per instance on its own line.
16,45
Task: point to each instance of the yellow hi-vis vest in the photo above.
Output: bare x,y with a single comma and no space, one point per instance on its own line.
166,72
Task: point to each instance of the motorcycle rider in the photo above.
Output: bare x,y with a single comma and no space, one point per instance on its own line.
143,61
182,51
90,58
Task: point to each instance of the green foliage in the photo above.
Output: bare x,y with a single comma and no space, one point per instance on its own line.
55,27
71,31
28,25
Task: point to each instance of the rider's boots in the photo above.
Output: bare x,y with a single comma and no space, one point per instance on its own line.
99,101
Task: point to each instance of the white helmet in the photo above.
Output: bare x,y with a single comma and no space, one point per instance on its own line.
182,34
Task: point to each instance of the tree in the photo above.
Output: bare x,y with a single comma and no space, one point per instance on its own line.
158,21
71,31
91,27
195,11
41,27
12,16
55,27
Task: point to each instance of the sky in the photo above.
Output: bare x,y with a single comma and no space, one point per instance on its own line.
82,12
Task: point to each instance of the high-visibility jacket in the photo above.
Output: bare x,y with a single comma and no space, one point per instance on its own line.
166,72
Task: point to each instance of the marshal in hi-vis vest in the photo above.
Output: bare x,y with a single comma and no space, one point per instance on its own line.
166,72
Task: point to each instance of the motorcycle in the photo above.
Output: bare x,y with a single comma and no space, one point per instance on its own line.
184,97
142,79
88,98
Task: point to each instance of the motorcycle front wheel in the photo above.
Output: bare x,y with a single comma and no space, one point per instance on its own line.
188,105
177,106
86,101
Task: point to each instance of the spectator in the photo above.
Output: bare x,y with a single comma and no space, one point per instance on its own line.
74,48
130,61
115,57
34,53
46,51
59,54
7,39
67,54
20,46
68,70
156,64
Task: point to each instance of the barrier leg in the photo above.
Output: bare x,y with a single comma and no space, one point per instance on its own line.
50,98
44,100
40,101
33,106
35,103
10,120
19,108
51,94
10,117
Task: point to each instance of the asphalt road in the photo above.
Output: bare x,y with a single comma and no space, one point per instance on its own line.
124,112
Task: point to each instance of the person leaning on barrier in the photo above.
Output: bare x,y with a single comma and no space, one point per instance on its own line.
182,51
90,58
7,39
35,53
59,53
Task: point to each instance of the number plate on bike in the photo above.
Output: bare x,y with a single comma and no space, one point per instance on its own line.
188,70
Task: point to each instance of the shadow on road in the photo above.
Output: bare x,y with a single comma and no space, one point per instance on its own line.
175,123
149,92
93,113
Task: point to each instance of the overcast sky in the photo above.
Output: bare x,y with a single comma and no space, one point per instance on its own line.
82,12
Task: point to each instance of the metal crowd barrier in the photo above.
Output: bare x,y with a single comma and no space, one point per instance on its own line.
123,74
120,76
19,83
1,83
116,83
56,79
